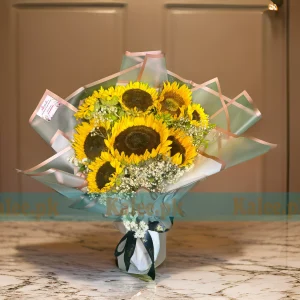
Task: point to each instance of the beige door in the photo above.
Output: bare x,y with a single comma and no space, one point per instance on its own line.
63,44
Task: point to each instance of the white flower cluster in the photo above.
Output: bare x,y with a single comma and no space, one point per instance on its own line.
73,160
101,198
154,175
159,228
197,133
112,197
76,162
107,113
131,224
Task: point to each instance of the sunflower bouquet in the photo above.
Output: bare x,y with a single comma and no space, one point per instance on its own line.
135,136
141,136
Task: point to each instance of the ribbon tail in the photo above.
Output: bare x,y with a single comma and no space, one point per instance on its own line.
148,243
117,252
128,249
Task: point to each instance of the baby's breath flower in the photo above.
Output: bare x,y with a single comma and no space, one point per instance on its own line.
159,228
132,224
108,113
155,175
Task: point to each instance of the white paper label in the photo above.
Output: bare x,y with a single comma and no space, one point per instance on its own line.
48,108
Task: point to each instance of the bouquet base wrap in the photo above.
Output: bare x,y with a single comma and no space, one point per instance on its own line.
145,255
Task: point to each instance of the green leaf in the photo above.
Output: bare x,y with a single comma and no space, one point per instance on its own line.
114,101
121,113
82,168
113,117
97,106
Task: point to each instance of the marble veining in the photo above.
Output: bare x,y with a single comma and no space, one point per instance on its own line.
206,260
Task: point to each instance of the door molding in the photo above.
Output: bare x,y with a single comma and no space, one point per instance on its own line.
294,96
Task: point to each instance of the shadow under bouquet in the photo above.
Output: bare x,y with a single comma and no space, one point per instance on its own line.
131,145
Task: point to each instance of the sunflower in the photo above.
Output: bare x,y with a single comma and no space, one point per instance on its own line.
138,96
102,96
174,99
89,140
86,109
110,96
197,115
182,150
103,173
135,139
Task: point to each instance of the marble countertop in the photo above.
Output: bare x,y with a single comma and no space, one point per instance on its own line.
205,260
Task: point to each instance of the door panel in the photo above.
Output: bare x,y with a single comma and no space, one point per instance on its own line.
61,49
234,44
61,45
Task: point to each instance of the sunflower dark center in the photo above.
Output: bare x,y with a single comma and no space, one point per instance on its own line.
176,147
137,98
103,174
137,139
94,143
172,103
196,116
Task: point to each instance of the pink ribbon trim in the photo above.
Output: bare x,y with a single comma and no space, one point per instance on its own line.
48,160
158,52
56,135
247,137
218,160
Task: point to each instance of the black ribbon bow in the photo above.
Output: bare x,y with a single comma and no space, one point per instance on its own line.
130,244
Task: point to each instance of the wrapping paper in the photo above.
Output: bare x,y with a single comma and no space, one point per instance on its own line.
228,145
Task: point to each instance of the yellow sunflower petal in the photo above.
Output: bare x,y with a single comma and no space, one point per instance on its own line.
85,109
103,173
197,115
89,139
108,96
174,98
111,96
182,151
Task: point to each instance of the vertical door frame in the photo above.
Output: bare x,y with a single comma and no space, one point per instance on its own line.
294,97
9,94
